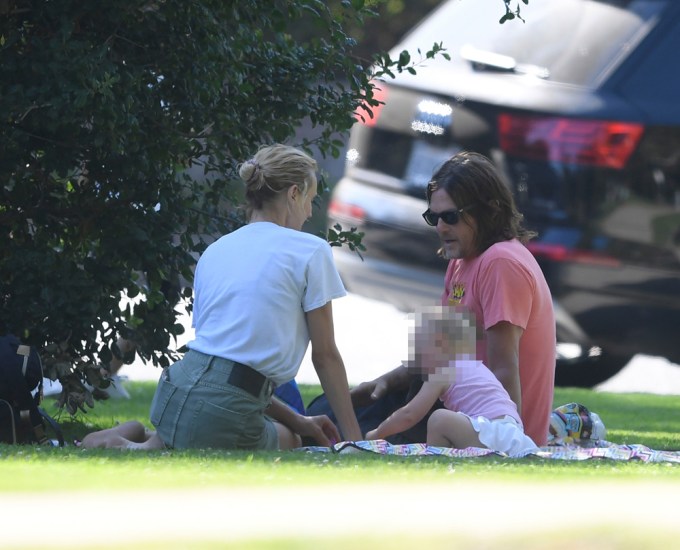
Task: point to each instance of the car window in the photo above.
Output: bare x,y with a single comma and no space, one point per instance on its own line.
566,38
653,83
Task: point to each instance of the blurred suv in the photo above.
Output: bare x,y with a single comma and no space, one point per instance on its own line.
579,108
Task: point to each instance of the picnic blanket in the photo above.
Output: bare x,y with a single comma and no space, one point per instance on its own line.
593,449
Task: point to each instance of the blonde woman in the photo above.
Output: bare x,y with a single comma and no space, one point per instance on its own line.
262,294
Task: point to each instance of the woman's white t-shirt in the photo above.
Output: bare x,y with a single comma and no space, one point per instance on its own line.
252,288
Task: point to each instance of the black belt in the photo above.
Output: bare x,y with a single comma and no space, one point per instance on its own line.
247,378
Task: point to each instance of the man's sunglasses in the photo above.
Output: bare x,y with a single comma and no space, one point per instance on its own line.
450,217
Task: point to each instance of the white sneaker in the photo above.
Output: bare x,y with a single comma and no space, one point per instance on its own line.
116,390
51,388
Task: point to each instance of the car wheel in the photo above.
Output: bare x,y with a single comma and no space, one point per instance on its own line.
586,374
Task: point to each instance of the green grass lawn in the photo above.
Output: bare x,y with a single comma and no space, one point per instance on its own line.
82,486
650,420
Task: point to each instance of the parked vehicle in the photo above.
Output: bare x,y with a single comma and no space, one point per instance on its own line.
578,107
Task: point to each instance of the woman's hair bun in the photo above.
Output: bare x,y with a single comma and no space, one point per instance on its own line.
248,169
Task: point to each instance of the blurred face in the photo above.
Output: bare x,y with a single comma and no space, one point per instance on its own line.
436,353
458,240
441,337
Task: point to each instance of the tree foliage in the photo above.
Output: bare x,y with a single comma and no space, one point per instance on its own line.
511,13
122,126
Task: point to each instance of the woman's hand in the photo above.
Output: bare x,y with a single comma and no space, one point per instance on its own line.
320,428
372,435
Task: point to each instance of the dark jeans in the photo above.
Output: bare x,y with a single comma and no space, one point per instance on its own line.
371,416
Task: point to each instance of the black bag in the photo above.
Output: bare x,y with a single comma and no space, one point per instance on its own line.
22,420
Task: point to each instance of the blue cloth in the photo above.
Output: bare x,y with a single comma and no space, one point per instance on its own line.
290,394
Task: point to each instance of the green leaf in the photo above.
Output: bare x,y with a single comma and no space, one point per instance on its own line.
404,58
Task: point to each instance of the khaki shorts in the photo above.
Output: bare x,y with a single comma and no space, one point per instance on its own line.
196,407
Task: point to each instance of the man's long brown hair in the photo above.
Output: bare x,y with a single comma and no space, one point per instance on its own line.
473,183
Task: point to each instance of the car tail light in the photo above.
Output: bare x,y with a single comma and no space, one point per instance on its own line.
561,253
362,112
574,141
347,211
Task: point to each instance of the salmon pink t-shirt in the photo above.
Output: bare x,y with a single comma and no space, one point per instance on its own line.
505,283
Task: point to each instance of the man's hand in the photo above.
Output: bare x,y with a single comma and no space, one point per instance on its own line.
368,392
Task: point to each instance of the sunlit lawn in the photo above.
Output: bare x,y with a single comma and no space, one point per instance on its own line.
84,486
630,418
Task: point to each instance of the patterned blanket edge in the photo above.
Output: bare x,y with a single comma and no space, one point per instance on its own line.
594,449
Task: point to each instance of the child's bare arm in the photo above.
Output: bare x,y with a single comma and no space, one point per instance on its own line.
411,413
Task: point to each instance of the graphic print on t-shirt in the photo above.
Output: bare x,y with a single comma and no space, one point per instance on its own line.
456,294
